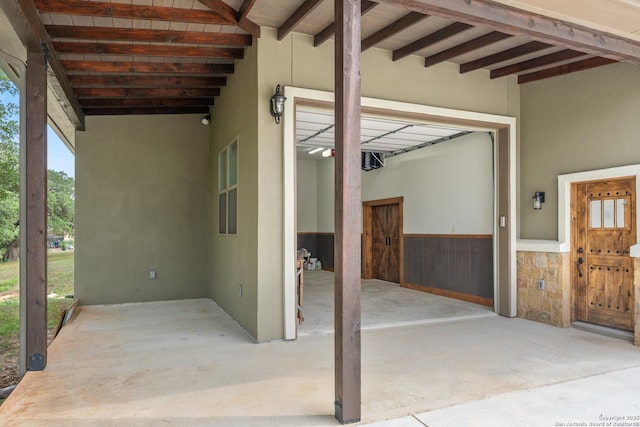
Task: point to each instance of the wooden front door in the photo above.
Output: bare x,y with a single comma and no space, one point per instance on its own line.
386,242
603,232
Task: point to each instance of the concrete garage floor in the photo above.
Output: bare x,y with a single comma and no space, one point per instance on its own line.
384,305
187,363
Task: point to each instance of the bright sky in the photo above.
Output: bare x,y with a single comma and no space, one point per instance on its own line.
59,158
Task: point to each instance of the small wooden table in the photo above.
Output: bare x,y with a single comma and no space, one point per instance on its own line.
299,289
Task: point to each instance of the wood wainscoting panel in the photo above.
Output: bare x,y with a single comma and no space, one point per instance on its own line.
454,264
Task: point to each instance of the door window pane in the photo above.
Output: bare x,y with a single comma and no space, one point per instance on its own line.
596,214
620,205
609,210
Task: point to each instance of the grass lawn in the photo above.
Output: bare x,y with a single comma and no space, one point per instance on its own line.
60,283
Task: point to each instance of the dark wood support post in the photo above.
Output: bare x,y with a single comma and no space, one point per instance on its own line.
33,227
348,206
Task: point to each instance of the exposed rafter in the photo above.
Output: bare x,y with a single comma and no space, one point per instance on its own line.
147,92
148,50
330,29
505,55
519,22
246,8
541,61
144,35
560,70
147,67
115,80
146,102
233,17
145,110
433,38
296,17
26,22
129,11
461,49
395,27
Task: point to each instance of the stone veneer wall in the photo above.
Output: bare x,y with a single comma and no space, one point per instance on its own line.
552,304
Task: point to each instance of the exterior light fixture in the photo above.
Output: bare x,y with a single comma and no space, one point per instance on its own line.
277,104
538,200
206,120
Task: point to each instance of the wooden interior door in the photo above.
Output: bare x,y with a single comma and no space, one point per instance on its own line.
604,231
386,242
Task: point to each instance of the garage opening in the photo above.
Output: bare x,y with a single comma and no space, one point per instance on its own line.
431,214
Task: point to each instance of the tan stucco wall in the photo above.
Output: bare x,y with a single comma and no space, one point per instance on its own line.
579,122
234,259
141,204
295,62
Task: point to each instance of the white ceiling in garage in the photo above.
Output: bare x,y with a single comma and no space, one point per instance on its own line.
315,128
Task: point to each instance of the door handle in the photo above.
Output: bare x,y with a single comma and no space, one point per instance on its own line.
580,262
387,241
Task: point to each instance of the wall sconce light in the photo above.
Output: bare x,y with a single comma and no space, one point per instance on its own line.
206,120
277,104
538,200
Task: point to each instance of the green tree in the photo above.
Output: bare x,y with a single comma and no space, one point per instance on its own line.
9,169
60,203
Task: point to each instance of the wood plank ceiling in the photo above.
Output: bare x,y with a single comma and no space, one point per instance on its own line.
173,56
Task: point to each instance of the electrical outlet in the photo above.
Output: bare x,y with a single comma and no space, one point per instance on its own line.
239,290
152,274
540,283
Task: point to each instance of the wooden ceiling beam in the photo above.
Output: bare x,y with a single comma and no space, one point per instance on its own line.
330,29
563,69
148,50
25,20
144,35
296,17
138,80
146,102
129,11
461,49
392,29
233,17
520,22
245,8
428,40
147,92
147,67
505,55
144,110
540,61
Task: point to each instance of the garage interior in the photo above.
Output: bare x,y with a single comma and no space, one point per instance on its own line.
440,173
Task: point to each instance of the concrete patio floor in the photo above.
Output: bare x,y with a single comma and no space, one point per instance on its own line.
187,363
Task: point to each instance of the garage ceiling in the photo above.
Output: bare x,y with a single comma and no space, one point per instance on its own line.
315,129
